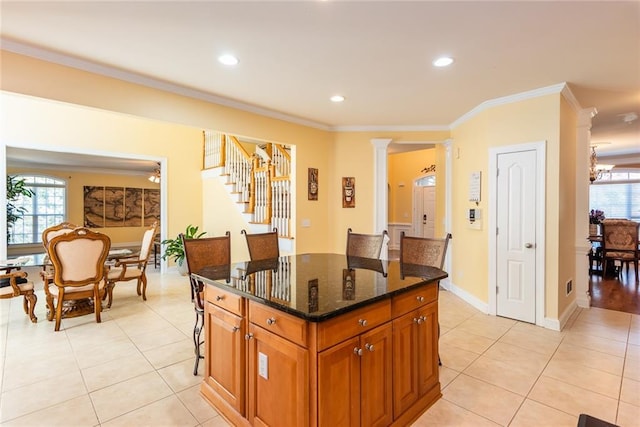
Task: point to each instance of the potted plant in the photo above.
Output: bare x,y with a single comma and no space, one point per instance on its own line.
175,250
596,217
15,189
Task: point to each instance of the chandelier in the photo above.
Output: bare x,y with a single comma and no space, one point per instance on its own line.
595,168
155,176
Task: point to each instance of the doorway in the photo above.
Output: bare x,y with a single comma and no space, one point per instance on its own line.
424,206
516,261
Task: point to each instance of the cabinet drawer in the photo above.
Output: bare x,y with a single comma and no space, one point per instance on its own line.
407,301
338,329
223,299
285,325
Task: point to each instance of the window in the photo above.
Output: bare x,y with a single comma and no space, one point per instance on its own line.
44,209
617,194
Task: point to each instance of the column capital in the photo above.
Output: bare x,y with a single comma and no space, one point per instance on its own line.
381,142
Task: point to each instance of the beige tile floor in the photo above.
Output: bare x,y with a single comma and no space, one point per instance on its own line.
135,368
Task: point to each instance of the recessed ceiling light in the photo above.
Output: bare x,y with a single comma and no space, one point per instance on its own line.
228,59
443,61
337,98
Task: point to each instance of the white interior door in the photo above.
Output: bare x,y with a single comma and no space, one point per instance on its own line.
428,211
516,236
424,210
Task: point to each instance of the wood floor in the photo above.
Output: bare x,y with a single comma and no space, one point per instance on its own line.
620,293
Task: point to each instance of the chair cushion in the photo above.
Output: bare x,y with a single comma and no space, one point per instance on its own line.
132,273
53,289
24,286
620,255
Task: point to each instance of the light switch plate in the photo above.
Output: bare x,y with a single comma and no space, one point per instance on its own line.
263,366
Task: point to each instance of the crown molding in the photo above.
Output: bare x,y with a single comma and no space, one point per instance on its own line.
518,97
108,71
127,76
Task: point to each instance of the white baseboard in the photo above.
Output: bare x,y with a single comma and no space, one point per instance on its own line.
465,296
559,324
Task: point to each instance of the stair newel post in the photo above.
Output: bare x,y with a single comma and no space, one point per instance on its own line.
252,185
270,174
223,150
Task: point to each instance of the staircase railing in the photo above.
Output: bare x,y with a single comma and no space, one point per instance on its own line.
263,185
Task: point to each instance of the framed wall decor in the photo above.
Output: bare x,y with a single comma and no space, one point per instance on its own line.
348,192
313,184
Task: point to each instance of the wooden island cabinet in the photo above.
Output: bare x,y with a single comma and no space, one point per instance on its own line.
319,350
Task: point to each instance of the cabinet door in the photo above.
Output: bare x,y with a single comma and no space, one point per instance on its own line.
339,384
428,374
405,362
225,355
278,380
376,377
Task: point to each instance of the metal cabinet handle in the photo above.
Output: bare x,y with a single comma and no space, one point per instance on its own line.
528,245
271,321
416,320
248,336
219,297
357,351
362,322
235,329
369,346
420,299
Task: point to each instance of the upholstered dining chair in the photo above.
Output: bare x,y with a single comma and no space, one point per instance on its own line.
620,243
365,245
14,284
79,272
133,267
198,254
423,250
47,269
262,245
426,251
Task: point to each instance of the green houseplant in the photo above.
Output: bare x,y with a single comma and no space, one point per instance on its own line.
174,248
15,189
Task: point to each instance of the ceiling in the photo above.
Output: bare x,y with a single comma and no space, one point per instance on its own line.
295,55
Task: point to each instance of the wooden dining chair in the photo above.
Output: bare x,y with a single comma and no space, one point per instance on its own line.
47,268
79,273
620,243
133,267
425,251
15,284
198,254
262,245
365,245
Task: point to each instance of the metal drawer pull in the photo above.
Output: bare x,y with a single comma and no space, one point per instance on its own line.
362,322
420,299
369,346
248,336
235,328
357,351
219,297
271,321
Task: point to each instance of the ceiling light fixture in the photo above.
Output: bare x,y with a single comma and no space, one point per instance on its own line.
155,175
596,169
228,59
337,98
443,61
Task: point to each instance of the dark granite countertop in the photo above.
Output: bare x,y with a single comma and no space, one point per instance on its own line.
317,287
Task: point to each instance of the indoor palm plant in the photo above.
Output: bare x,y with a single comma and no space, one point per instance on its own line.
174,248
15,189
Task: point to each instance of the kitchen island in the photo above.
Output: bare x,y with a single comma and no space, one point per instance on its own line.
321,340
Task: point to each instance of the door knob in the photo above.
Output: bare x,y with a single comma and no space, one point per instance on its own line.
528,245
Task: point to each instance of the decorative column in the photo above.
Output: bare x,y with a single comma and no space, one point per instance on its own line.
380,186
582,244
